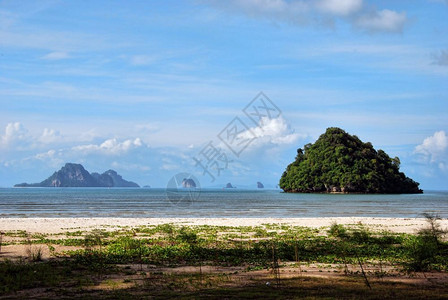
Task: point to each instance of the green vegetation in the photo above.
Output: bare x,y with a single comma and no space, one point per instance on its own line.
427,247
340,162
172,245
137,261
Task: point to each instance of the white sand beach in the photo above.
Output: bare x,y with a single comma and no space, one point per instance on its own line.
60,225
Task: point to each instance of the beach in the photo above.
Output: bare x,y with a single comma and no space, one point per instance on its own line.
61,225
135,256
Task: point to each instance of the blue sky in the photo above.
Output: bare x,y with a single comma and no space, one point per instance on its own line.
143,86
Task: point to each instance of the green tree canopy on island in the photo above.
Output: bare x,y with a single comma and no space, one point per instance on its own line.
340,162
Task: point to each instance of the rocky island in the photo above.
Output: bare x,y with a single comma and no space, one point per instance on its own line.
188,183
74,175
341,163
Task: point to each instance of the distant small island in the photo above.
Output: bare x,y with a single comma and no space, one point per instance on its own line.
188,183
74,175
341,163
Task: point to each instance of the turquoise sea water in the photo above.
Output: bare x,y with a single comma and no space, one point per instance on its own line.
209,203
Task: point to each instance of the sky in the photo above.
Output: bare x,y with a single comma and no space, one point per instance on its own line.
155,88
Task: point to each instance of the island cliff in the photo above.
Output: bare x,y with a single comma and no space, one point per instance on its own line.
341,163
74,175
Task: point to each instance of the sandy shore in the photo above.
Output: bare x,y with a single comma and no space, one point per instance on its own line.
58,225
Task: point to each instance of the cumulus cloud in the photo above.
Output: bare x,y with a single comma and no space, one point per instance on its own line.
15,133
49,136
272,131
382,21
441,58
111,146
18,137
434,149
319,12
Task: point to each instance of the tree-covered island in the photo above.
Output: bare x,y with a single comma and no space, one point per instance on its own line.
341,163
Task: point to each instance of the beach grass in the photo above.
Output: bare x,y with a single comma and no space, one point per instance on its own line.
278,260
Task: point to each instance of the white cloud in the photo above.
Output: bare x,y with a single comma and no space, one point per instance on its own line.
273,131
18,138
317,12
49,136
340,7
382,21
14,133
434,149
56,56
48,154
52,158
111,146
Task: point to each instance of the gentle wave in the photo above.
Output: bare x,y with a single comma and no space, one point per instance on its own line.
210,203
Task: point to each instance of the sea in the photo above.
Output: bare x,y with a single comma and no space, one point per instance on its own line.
211,203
